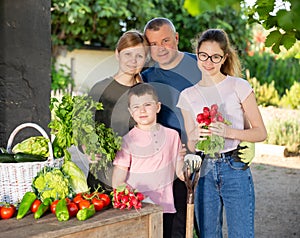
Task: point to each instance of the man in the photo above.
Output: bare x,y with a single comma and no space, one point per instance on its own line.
172,72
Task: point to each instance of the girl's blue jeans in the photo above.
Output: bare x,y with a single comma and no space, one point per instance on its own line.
225,185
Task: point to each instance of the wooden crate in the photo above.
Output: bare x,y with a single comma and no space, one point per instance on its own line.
147,222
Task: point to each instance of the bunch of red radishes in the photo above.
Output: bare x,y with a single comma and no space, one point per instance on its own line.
213,143
210,115
124,197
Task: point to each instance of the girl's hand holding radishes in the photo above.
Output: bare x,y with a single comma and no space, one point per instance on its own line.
218,129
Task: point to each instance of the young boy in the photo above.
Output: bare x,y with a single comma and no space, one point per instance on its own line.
150,154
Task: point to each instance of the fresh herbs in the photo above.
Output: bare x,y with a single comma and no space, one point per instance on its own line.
73,124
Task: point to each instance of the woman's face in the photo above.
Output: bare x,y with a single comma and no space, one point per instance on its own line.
132,59
210,58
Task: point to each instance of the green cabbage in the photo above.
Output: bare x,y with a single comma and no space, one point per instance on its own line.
35,145
52,183
76,176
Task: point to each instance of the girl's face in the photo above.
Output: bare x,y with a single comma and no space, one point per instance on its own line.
144,110
132,59
210,58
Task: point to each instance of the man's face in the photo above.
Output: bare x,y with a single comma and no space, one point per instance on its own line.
163,45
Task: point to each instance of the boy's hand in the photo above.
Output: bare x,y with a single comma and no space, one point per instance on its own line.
193,162
246,152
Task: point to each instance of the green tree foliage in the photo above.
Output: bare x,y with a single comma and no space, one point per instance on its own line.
99,22
189,26
284,25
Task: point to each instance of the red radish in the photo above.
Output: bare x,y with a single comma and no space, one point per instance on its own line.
214,107
140,196
126,197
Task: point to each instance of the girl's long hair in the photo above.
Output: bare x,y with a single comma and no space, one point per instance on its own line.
232,64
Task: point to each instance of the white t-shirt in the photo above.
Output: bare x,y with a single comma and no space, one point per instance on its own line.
228,95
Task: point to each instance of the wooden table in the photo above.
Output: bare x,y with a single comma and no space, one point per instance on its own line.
147,222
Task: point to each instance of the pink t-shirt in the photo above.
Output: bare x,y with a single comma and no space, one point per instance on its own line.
151,157
228,95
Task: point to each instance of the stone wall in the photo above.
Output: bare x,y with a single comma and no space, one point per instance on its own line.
25,65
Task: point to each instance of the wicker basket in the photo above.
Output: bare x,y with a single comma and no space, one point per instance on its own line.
16,178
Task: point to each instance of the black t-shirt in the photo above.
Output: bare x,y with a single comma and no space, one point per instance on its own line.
113,96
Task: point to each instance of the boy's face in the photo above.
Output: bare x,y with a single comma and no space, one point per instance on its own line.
143,110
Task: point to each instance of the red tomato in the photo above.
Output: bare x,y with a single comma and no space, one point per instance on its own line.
72,208
7,211
105,198
35,205
84,204
98,203
88,195
53,206
68,200
77,199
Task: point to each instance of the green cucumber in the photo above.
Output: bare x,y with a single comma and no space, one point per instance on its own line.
7,158
22,157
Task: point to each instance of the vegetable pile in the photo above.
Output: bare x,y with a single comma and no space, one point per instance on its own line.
73,124
58,183
83,206
213,144
126,197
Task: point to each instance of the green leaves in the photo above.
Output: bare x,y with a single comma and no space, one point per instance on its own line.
73,124
213,144
98,21
275,39
283,22
282,17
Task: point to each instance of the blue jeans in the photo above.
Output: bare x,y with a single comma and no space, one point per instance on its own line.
223,184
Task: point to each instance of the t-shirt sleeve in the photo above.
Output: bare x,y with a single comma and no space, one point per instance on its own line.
98,89
179,147
123,158
183,102
243,89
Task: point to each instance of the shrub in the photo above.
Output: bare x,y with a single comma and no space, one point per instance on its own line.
62,81
266,94
291,98
285,133
267,69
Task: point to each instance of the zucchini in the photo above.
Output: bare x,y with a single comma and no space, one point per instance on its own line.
7,158
22,157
